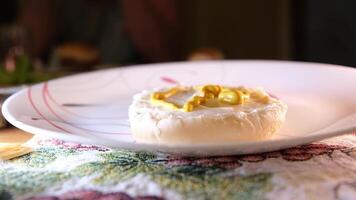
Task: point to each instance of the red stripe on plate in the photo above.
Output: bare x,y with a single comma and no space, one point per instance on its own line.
49,94
44,96
169,80
29,95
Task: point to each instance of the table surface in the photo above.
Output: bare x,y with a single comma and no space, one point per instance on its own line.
64,170
13,135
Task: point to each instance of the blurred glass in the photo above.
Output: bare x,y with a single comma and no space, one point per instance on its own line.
15,63
17,66
13,36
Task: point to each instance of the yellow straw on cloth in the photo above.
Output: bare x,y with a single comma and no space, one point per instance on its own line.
12,150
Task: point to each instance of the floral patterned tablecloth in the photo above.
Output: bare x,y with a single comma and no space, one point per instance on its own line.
61,170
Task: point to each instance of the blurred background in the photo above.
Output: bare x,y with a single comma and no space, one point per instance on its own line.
42,39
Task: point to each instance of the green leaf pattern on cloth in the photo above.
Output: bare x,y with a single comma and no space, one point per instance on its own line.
61,170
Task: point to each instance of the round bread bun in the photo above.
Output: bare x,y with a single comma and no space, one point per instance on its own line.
157,124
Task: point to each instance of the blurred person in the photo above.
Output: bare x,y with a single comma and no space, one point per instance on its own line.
122,30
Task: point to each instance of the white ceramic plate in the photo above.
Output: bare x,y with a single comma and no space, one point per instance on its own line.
92,107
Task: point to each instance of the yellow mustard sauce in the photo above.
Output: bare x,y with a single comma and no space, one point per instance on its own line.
211,96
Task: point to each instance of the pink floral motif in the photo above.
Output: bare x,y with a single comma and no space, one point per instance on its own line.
306,152
115,196
253,158
71,145
95,195
227,162
300,153
86,194
272,154
44,198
